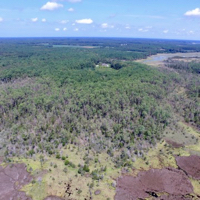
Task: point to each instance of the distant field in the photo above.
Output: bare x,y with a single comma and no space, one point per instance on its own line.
75,46
158,59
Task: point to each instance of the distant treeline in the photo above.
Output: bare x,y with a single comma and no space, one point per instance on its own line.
36,57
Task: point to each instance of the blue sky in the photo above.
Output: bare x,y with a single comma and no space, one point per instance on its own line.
173,19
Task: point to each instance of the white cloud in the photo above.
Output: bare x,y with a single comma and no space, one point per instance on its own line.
73,24
1,19
64,21
76,29
165,31
34,19
191,32
127,27
104,25
44,20
84,21
51,6
64,29
57,29
143,30
71,10
195,12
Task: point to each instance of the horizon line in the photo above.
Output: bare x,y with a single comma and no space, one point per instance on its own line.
40,37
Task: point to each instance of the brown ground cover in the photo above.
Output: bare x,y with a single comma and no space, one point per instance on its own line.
12,179
174,197
1,160
190,165
174,144
149,183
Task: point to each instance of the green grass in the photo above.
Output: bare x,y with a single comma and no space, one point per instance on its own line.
54,179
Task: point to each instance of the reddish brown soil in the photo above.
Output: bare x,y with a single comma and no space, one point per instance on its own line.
12,179
53,198
190,165
149,183
174,144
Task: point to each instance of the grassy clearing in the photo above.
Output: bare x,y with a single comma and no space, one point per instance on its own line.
183,134
158,59
191,130
196,186
52,177
37,189
195,134
159,157
194,149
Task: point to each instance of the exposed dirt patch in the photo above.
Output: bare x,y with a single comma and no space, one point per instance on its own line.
53,198
12,179
190,165
149,183
97,192
174,144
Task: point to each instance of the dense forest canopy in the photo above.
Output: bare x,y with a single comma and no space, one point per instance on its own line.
56,91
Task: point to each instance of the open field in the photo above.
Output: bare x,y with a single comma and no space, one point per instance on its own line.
158,59
53,177
74,46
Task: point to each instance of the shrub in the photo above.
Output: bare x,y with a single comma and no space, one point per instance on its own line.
86,168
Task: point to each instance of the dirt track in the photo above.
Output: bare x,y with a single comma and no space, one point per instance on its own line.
12,179
149,183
